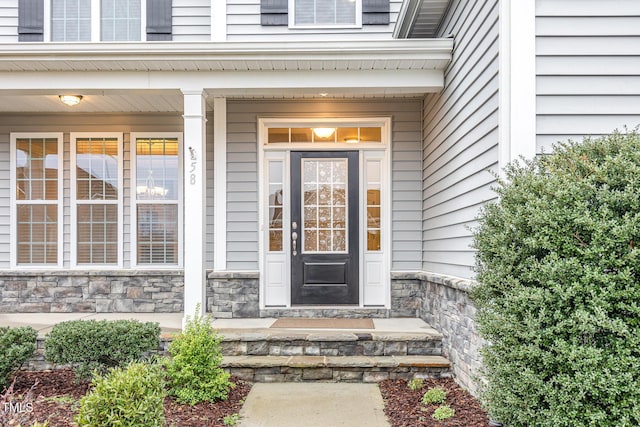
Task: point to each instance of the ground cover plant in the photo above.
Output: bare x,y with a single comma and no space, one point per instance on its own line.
559,287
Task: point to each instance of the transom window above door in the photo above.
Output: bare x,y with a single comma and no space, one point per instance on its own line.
319,133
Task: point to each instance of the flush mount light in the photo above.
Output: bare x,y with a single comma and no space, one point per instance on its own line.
70,100
323,94
324,133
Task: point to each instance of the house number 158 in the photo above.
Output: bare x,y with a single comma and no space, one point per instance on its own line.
192,171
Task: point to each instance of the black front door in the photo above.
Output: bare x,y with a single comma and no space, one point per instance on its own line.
324,228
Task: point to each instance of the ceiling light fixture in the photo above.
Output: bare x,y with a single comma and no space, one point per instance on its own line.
324,133
70,100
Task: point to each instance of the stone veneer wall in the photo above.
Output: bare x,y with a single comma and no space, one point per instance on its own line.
126,291
444,303
233,294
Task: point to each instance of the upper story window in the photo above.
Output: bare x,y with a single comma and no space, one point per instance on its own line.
326,12
330,14
94,20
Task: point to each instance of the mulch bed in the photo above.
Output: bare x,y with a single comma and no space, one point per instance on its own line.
404,408
56,395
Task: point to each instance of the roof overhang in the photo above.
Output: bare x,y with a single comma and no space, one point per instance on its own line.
149,76
420,18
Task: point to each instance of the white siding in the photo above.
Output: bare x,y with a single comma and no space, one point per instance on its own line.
461,139
243,24
67,124
242,189
587,68
191,20
8,21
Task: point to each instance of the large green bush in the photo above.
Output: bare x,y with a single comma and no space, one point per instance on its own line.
194,369
90,344
559,288
17,345
126,397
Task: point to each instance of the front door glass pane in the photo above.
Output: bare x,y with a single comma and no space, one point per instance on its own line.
324,205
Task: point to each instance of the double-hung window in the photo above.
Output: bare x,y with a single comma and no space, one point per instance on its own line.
157,192
36,175
96,197
90,20
331,13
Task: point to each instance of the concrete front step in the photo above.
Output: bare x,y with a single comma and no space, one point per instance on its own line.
270,342
335,368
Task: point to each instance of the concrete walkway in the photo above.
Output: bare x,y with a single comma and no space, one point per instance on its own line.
313,405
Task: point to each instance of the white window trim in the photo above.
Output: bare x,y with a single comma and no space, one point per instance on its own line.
134,201
376,151
96,27
292,19
13,252
74,205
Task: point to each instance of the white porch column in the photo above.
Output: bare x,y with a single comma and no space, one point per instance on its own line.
220,182
194,200
517,76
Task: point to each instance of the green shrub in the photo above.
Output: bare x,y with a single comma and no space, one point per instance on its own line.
194,370
91,345
443,412
132,396
434,395
415,384
559,287
17,345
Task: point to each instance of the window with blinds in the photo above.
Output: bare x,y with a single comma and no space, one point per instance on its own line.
157,196
325,12
97,163
70,20
37,196
120,20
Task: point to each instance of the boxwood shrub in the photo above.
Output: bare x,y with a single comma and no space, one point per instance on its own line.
90,345
17,345
559,287
129,397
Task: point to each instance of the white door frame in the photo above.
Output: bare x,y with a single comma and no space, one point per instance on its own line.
275,267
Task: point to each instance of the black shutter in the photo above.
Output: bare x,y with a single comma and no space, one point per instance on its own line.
274,12
375,12
158,20
31,20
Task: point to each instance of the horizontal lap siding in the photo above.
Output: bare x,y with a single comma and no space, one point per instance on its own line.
191,20
242,176
8,21
587,69
243,24
67,124
460,139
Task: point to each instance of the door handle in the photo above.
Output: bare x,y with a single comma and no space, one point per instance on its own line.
294,240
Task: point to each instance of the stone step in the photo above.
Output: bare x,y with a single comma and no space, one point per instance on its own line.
335,368
274,342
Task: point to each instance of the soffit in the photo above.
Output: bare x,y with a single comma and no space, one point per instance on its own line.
420,18
433,54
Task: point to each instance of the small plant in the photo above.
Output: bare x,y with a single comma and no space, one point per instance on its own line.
231,420
434,395
64,399
91,345
17,345
194,370
129,397
415,384
443,412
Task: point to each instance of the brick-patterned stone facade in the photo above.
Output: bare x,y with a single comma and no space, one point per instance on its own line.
127,291
444,303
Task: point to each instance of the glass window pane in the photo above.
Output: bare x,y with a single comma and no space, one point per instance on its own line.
97,226
70,20
157,234
301,135
120,20
371,134
347,135
97,168
277,135
276,199
374,203
37,234
157,169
